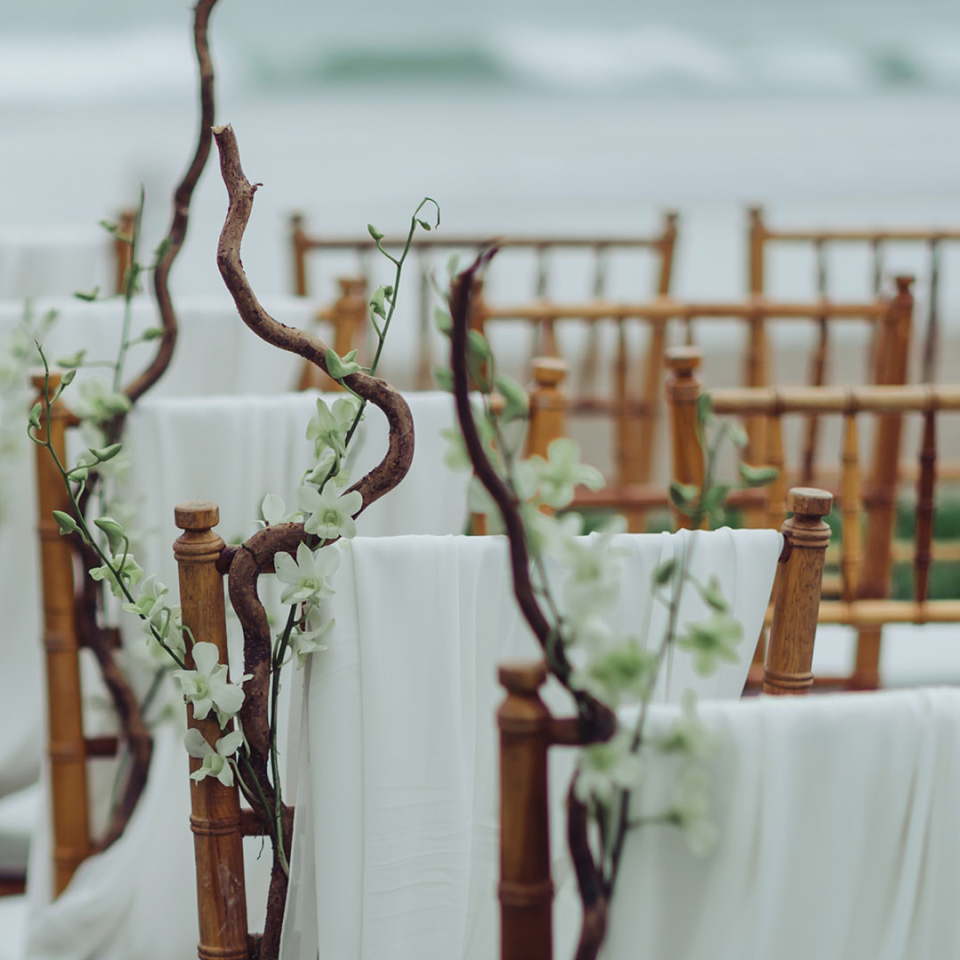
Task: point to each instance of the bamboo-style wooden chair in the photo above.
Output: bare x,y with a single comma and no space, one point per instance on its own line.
761,239
426,248
637,413
868,549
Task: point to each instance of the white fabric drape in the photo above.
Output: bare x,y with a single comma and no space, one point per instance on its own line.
54,261
838,838
189,449
396,847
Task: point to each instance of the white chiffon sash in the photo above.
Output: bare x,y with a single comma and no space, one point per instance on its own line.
839,838
396,829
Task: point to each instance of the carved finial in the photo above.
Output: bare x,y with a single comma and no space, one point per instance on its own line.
196,515
904,282
682,359
809,502
549,371
522,676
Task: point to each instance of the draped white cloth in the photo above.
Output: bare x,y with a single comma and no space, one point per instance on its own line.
838,837
396,846
215,353
54,261
189,449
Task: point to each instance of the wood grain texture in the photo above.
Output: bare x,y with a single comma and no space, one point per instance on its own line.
789,664
66,747
215,817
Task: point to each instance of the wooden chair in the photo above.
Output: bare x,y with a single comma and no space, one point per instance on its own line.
219,822
761,238
527,730
636,413
426,249
868,510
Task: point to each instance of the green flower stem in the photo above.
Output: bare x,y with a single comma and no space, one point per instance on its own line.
276,822
382,332
78,513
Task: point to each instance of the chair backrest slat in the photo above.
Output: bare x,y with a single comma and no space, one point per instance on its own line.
850,506
926,483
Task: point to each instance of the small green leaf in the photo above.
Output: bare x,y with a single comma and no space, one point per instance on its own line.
442,321
377,302
515,405
337,368
116,536
705,408
424,224
74,360
152,333
374,232
106,453
683,494
738,436
34,418
443,377
712,595
88,296
65,521
664,572
477,345
67,379
757,476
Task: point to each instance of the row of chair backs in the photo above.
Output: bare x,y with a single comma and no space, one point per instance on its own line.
636,409
426,250
762,240
868,492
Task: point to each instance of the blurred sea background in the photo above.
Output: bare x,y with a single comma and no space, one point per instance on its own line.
537,116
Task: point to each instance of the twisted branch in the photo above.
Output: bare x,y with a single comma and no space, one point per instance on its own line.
181,209
257,554
595,721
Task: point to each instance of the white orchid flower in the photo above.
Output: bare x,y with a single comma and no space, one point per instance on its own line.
328,429
606,767
305,642
208,687
330,513
273,510
214,759
562,471
149,596
306,577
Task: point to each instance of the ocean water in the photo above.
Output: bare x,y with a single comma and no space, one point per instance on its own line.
540,116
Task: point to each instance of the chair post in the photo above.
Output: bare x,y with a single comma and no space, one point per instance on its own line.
122,249
788,669
756,235
892,355
683,390
65,742
215,818
547,405
300,245
667,244
348,316
526,890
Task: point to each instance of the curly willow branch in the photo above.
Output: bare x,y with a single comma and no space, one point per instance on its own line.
256,555
181,209
596,722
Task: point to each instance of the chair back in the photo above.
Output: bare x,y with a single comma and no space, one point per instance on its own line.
527,730
869,546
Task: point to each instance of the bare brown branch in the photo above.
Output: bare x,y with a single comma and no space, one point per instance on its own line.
181,209
395,464
596,721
